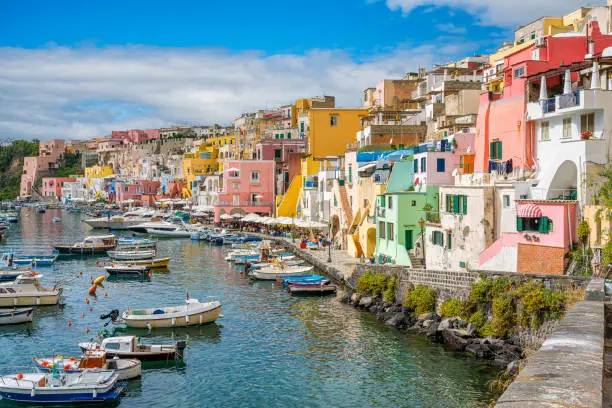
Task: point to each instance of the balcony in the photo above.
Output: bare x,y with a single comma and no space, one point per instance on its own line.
584,99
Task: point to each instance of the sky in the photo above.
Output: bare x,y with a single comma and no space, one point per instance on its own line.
77,69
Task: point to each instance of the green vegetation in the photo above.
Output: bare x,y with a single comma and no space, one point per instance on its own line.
71,166
421,299
389,293
371,284
451,308
11,165
538,304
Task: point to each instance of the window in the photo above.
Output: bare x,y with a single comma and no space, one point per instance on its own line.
587,123
543,225
333,120
495,150
282,135
449,240
350,176
235,186
519,72
381,229
277,153
567,128
255,176
440,165
437,238
545,130
390,234
288,135
302,127
112,346
506,201
533,35
423,165
456,204
413,203
390,202
416,166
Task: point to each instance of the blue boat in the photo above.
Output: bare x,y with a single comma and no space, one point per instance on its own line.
317,279
35,260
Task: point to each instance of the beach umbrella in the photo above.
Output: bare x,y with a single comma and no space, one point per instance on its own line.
237,216
226,217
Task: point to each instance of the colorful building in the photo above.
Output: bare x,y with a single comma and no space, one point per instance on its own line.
52,186
50,156
95,172
139,190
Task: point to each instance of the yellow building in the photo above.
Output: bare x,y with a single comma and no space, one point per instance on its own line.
329,130
221,141
202,162
95,172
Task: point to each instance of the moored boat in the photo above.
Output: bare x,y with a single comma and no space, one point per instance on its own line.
193,313
157,263
131,255
127,368
56,219
8,276
34,260
129,347
29,294
275,272
177,233
67,388
127,269
97,244
311,288
16,316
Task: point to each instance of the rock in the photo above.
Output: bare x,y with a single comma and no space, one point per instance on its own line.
460,324
446,324
432,331
502,360
471,329
513,367
479,350
366,302
429,316
397,321
454,341
345,298
425,323
355,298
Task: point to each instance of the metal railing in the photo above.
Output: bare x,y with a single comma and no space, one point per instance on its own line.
548,105
570,100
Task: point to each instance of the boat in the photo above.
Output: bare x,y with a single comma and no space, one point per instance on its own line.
157,263
275,272
56,219
131,255
42,209
136,243
127,368
9,276
6,260
35,260
157,225
16,316
193,313
129,347
97,244
28,277
65,388
127,269
29,294
311,288
177,233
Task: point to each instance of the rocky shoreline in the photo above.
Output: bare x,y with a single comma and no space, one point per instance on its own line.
453,332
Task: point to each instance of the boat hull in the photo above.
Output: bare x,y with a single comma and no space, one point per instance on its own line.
83,251
126,369
145,356
16,317
29,300
195,319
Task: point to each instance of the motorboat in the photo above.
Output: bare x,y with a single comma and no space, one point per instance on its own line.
34,260
136,243
157,225
127,270
56,219
29,294
6,260
275,272
65,388
28,277
157,263
193,313
131,255
127,368
9,276
97,244
16,316
177,233
129,347
121,222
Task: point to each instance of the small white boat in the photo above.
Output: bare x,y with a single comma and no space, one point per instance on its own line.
131,255
127,369
67,388
193,313
177,233
16,316
129,347
127,270
275,272
56,219
29,294
30,277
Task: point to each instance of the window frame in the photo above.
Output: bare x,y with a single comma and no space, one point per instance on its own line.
545,130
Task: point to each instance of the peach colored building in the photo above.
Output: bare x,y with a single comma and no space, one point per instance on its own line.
50,155
136,190
52,186
248,188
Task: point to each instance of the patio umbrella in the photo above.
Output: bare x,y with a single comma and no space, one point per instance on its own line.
237,216
226,217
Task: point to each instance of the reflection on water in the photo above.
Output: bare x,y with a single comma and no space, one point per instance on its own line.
269,350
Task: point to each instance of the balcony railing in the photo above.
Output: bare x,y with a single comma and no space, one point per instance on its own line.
548,105
244,204
569,101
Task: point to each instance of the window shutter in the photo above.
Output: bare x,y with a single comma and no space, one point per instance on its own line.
499,150
448,240
449,201
519,224
416,166
464,204
492,150
543,227
456,204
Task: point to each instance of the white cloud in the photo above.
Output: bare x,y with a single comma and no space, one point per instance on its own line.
496,12
451,28
87,92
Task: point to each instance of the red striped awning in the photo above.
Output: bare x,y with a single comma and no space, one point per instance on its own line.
529,211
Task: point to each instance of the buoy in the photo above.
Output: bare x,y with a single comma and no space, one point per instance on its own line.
44,363
83,314
19,376
87,330
69,324
66,366
87,300
105,294
81,273
91,309
92,292
98,280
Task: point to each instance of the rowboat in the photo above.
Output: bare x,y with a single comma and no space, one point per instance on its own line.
8,276
136,244
126,269
68,388
91,360
35,260
131,255
162,233
128,347
28,277
16,316
275,272
157,263
29,294
98,244
193,313
56,219
311,288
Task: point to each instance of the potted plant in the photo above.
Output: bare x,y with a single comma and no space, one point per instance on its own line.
586,135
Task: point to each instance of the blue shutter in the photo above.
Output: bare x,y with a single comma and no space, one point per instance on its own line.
440,165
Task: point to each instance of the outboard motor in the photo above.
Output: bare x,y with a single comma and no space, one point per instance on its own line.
113,316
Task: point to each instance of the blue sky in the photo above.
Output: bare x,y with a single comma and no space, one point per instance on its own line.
78,69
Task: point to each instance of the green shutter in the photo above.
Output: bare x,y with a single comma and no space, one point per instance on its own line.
448,240
449,200
543,227
350,174
464,204
499,150
456,204
519,224
492,150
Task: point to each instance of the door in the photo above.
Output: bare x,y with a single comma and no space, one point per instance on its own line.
408,240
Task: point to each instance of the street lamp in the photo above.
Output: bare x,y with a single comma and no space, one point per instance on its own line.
422,225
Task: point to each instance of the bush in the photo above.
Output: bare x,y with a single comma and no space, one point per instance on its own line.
389,293
371,284
451,308
539,303
504,315
421,300
483,292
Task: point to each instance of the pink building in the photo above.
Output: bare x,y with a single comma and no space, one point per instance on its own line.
281,152
135,135
249,188
138,190
50,155
109,144
52,186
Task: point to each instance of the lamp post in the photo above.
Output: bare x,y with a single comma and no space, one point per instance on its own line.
422,225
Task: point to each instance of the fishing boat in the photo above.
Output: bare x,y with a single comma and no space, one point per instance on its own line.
129,347
157,263
127,369
9,276
28,277
177,233
16,316
35,260
131,255
275,272
136,243
97,244
65,388
193,313
29,294
127,269
56,219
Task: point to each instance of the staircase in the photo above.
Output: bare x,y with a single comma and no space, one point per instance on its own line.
416,261
345,204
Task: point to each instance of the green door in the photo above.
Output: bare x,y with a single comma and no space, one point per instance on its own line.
408,240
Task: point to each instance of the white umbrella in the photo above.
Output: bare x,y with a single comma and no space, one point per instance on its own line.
285,221
237,216
225,217
232,169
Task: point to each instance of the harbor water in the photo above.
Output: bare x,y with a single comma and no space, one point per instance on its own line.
268,350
